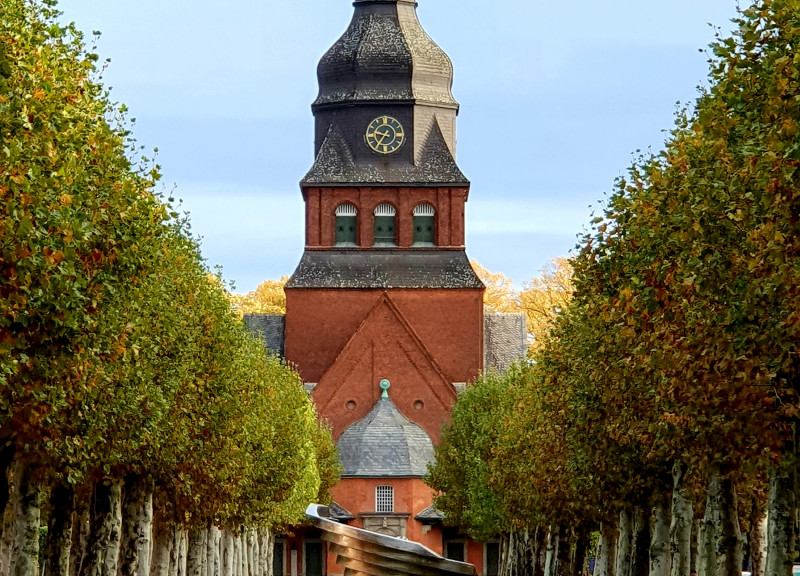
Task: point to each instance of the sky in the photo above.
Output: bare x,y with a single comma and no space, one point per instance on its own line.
556,99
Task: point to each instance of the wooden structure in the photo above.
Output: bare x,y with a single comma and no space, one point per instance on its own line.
365,553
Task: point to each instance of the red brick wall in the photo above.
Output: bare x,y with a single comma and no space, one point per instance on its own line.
321,204
320,322
346,341
411,496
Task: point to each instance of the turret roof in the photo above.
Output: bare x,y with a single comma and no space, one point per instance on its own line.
385,444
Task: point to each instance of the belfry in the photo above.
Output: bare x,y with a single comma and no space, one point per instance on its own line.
384,289
384,314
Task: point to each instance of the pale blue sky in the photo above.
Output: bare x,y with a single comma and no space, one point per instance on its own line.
555,98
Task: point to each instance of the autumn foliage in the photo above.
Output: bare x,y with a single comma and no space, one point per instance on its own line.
673,372
120,362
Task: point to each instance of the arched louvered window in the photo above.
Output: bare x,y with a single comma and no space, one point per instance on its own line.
424,226
346,217
385,218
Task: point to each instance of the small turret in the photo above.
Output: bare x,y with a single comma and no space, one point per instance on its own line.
385,444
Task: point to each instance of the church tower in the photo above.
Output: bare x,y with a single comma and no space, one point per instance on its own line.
384,289
384,295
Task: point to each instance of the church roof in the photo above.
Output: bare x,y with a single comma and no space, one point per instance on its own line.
385,444
384,269
385,66
431,515
335,164
385,55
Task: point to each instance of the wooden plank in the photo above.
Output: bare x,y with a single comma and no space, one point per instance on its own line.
371,554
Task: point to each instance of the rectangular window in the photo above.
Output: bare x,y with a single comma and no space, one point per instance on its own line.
454,551
492,555
277,559
313,558
384,499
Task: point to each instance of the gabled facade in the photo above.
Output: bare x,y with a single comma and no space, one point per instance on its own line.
384,292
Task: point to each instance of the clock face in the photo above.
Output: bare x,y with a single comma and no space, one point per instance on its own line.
385,135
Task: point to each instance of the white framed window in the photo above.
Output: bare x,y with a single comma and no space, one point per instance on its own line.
346,210
456,550
384,499
424,210
346,227
385,210
491,558
424,226
313,558
385,226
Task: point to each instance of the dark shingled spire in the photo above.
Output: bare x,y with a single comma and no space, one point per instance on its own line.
385,65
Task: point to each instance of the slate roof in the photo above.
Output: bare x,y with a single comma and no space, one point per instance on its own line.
385,444
271,328
339,513
376,57
335,164
384,269
431,515
385,64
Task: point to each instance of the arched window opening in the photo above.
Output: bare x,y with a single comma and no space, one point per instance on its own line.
385,226
346,216
424,226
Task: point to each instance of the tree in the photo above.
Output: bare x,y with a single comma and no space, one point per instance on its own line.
124,375
543,298
500,295
268,298
676,362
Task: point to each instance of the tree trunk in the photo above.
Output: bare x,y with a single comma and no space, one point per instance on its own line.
145,523
80,531
264,553
212,551
137,527
758,540
719,541
102,547
227,552
243,553
197,556
252,560
27,515
680,529
6,467
517,554
236,554
9,535
660,551
604,562
781,509
541,551
696,524
624,565
163,541
552,549
59,531
6,507
182,541
111,563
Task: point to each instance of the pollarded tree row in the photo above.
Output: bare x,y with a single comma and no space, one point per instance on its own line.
662,411
139,421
